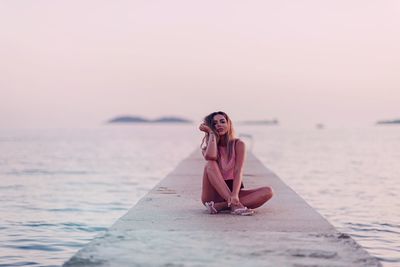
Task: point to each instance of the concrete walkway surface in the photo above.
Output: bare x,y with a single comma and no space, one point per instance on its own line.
169,227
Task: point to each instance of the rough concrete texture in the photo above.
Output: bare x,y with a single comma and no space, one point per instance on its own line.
169,227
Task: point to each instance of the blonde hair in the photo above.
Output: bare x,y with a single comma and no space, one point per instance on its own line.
229,138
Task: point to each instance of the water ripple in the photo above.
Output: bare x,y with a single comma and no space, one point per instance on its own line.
28,172
20,263
40,247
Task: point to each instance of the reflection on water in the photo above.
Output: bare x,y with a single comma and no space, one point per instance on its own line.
60,188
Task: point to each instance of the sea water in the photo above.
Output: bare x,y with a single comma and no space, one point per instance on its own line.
62,187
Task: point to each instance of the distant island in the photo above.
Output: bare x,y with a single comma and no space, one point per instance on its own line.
397,121
260,122
137,119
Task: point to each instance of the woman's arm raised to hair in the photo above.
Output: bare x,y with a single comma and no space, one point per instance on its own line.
211,152
240,148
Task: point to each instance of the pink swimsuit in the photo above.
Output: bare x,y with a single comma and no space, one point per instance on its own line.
226,166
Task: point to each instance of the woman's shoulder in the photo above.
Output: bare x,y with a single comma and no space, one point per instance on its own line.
238,140
239,143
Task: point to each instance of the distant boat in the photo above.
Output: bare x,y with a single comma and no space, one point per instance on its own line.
137,119
320,126
397,121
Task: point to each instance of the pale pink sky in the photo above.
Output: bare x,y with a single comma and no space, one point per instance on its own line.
76,63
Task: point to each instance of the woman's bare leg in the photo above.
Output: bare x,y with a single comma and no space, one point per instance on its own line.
221,205
255,198
252,199
215,189
216,180
208,193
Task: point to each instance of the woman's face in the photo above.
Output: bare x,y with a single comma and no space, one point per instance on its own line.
220,124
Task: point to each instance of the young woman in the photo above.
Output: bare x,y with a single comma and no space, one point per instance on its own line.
223,173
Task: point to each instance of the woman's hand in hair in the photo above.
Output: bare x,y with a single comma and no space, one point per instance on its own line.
204,128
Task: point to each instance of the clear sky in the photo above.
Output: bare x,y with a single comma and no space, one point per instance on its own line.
76,63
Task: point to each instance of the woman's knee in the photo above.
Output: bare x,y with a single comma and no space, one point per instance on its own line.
267,192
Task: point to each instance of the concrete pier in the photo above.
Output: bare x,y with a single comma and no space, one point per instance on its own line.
169,227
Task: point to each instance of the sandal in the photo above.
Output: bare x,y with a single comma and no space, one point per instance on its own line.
243,211
210,207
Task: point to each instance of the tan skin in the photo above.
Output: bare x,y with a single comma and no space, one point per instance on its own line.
214,186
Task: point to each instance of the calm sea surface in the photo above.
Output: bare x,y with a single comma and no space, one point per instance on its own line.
62,187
